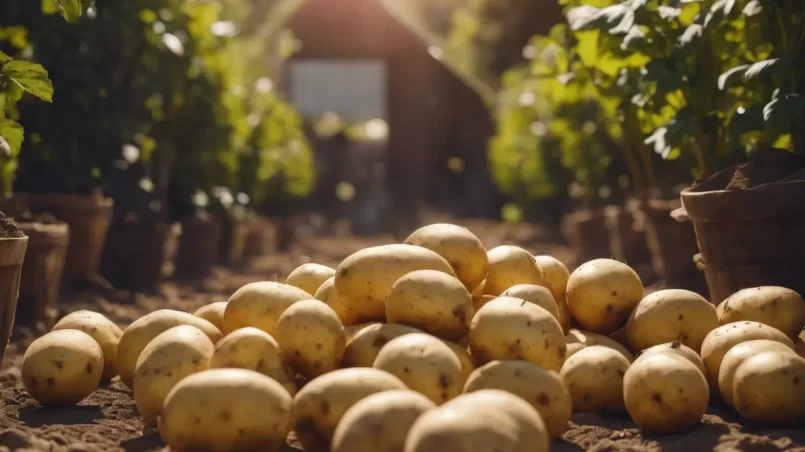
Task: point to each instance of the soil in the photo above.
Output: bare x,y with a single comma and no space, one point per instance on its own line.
108,420
763,166
9,229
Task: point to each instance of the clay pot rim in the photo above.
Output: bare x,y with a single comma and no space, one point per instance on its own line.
772,200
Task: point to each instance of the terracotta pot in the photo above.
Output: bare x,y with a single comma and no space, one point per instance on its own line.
587,234
233,240
627,240
12,254
198,247
136,253
260,239
749,238
88,217
42,272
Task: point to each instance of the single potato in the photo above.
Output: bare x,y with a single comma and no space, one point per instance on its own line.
173,355
594,378
511,328
226,410
459,247
362,350
253,349
145,329
736,356
670,315
311,338
213,313
478,291
778,307
485,420
309,277
62,367
538,295
543,389
768,389
432,301
676,348
602,293
578,339
351,330
329,296
260,304
800,344
665,393
478,303
723,338
321,403
380,422
425,364
103,330
556,277
511,265
464,357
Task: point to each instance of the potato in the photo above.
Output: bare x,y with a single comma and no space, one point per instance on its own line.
510,328
485,420
800,344
723,338
351,330
669,315
602,293
173,355
213,313
577,340
511,265
538,295
380,422
478,303
778,307
103,330
260,304
309,277
253,349
146,328
62,367
478,292
736,356
362,350
464,357
665,393
594,378
432,301
768,389
543,389
425,364
363,280
556,276
329,296
226,410
676,348
311,338
459,247
321,403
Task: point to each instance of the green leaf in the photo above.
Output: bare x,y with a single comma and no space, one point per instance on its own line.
728,78
4,58
690,37
783,111
753,8
31,77
615,19
71,10
670,137
767,68
50,7
669,13
718,12
12,133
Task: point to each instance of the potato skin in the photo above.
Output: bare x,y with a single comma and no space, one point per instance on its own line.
103,330
173,355
736,356
327,294
260,304
578,339
425,364
380,422
145,329
362,350
253,349
538,295
723,338
62,367
311,338
213,313
363,280
510,328
321,403
309,277
767,389
676,348
480,302
556,277
226,410
464,357
602,293
665,393
800,344
432,301
669,315
594,378
543,389
777,307
459,247
511,265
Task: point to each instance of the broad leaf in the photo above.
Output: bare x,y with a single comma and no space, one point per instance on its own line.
728,78
784,111
615,19
669,13
31,77
71,10
670,137
753,8
12,133
718,12
690,37
767,68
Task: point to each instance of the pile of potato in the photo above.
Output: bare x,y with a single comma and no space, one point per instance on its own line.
433,345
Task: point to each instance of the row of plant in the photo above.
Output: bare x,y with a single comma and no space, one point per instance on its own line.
631,99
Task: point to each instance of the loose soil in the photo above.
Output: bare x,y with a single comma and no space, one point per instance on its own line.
9,229
763,166
108,420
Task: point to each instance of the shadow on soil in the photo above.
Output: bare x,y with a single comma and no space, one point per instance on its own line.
37,416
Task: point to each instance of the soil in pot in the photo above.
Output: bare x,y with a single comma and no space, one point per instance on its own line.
13,244
198,246
627,241
48,240
750,223
587,234
136,251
